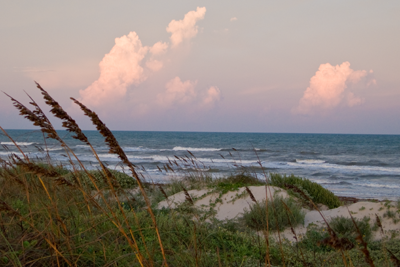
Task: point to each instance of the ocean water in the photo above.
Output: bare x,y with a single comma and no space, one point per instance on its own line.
364,166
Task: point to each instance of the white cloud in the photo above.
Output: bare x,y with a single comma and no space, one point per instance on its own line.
118,69
181,93
154,65
159,48
129,64
213,95
329,88
186,28
125,64
177,92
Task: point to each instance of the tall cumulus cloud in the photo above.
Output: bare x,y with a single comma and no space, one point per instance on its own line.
130,63
329,88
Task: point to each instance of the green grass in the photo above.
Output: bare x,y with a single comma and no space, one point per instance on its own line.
234,182
344,227
316,192
282,213
92,238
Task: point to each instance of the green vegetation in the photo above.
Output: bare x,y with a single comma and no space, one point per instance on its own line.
282,213
344,227
316,192
234,182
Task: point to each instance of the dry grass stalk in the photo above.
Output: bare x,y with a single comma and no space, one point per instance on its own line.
8,209
364,250
163,192
187,196
15,144
266,231
378,222
73,127
59,112
116,149
394,259
39,119
196,256
294,232
251,195
191,154
341,244
34,168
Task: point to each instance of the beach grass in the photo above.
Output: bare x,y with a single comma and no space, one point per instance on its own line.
51,215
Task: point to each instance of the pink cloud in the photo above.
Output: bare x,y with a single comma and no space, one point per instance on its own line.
177,92
213,95
130,63
118,69
154,65
159,48
329,88
186,28
180,93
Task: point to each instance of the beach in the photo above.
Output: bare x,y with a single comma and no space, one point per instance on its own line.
232,207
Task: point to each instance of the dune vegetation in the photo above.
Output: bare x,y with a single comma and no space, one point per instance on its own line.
53,215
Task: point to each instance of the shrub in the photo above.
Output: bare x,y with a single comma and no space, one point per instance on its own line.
278,215
312,238
234,182
345,227
317,193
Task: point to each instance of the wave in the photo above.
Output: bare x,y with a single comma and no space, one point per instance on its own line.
247,150
179,148
310,161
136,149
9,154
82,146
54,149
335,183
354,169
376,163
309,153
18,143
375,185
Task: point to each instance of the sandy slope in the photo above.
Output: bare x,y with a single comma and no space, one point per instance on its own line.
232,204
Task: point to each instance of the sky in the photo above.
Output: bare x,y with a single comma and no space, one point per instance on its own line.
217,66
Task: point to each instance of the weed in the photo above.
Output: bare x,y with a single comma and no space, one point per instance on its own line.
255,217
315,191
344,226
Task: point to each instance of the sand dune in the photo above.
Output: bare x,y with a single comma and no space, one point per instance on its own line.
232,204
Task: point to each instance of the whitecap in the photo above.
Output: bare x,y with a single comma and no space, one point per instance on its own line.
18,143
310,161
179,148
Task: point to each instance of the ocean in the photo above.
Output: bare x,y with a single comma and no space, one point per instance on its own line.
363,166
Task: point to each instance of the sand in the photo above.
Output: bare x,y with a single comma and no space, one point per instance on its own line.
232,204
